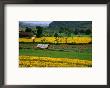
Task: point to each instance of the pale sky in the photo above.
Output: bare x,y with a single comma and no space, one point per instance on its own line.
37,22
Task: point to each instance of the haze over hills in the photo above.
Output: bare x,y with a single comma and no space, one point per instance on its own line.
58,24
33,24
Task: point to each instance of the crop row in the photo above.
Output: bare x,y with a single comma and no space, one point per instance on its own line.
58,39
34,61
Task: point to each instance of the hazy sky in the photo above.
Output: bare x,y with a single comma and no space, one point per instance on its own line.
37,22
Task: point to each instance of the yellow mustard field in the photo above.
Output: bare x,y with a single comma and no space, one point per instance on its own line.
58,39
34,61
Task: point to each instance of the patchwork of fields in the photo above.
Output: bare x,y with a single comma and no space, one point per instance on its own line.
62,52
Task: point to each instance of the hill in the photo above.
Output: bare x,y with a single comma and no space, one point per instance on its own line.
68,28
72,25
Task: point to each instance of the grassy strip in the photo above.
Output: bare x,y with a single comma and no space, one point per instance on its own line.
55,54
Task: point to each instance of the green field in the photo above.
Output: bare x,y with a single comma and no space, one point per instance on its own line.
55,54
56,51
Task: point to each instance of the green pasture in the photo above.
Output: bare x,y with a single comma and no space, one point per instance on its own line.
55,54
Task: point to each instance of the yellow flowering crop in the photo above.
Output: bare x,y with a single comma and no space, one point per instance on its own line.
34,61
59,39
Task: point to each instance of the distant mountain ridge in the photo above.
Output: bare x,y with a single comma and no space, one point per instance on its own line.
72,25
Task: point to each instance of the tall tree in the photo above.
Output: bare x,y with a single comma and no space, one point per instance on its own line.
39,31
55,35
28,29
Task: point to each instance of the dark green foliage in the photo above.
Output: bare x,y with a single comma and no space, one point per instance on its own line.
39,31
61,30
76,32
55,35
28,29
87,32
82,31
71,27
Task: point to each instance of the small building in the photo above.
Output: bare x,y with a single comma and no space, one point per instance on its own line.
43,46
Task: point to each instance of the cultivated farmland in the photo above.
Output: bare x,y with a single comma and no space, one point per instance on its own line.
56,44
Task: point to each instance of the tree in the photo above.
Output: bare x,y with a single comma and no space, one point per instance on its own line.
55,35
39,31
81,31
88,31
28,29
61,30
76,31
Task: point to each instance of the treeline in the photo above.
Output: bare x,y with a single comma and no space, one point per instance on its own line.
29,32
46,32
